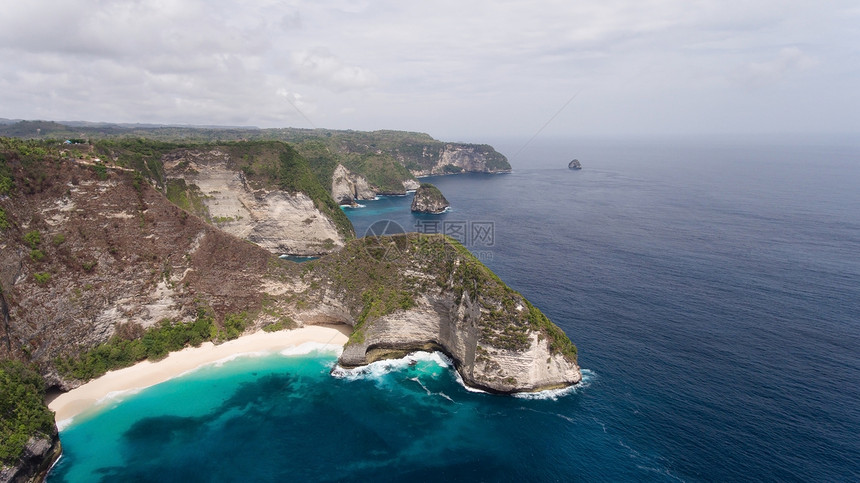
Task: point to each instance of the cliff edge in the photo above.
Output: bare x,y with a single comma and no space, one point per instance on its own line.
412,292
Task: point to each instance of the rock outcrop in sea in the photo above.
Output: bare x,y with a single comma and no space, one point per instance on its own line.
428,199
574,164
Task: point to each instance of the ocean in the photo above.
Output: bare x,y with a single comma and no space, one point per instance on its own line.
713,291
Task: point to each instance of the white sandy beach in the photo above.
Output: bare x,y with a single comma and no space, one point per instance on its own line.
146,373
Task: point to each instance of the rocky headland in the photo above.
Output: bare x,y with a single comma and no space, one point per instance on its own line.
115,252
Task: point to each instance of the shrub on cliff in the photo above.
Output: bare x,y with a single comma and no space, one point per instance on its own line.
22,411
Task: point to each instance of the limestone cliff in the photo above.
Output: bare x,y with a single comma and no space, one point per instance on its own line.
348,188
85,253
39,454
388,160
275,219
91,252
428,199
455,158
426,292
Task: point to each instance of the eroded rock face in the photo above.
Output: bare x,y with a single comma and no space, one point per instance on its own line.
499,342
440,323
281,222
111,255
428,199
575,164
411,185
464,158
347,187
39,454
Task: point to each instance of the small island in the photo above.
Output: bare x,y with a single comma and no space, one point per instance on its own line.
428,199
574,164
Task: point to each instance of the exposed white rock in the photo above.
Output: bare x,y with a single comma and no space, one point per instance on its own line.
347,187
411,185
463,157
278,221
438,322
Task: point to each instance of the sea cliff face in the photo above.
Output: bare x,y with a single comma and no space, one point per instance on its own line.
277,220
455,158
348,188
39,454
426,292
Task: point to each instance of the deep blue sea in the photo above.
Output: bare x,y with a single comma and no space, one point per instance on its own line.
713,290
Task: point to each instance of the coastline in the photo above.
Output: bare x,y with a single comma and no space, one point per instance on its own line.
144,374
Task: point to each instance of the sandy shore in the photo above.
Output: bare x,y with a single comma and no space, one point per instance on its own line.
146,373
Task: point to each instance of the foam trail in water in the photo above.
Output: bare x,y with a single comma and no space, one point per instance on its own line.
554,394
376,370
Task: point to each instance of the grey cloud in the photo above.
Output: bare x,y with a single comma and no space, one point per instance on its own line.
788,60
318,66
449,67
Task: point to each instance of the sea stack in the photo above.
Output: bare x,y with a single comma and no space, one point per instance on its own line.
574,164
428,199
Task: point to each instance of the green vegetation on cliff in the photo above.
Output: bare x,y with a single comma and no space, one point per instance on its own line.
22,409
266,164
376,276
385,158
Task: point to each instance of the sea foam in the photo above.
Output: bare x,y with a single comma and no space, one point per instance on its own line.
377,370
554,394
311,347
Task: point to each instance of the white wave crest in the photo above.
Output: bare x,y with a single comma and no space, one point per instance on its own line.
115,396
233,357
61,425
378,369
554,394
310,347
465,386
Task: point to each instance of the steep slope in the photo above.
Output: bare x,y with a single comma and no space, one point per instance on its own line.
99,270
88,249
426,292
261,191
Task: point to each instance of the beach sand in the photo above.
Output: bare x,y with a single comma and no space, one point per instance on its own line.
146,373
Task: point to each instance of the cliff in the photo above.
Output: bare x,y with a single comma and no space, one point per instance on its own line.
426,292
98,270
387,160
264,192
348,188
428,199
28,437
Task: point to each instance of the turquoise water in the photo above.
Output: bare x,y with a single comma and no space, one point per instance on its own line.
286,417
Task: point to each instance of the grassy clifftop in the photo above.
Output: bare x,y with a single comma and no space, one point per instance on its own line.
375,276
385,158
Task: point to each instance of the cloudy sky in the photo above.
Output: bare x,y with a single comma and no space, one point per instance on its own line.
459,70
